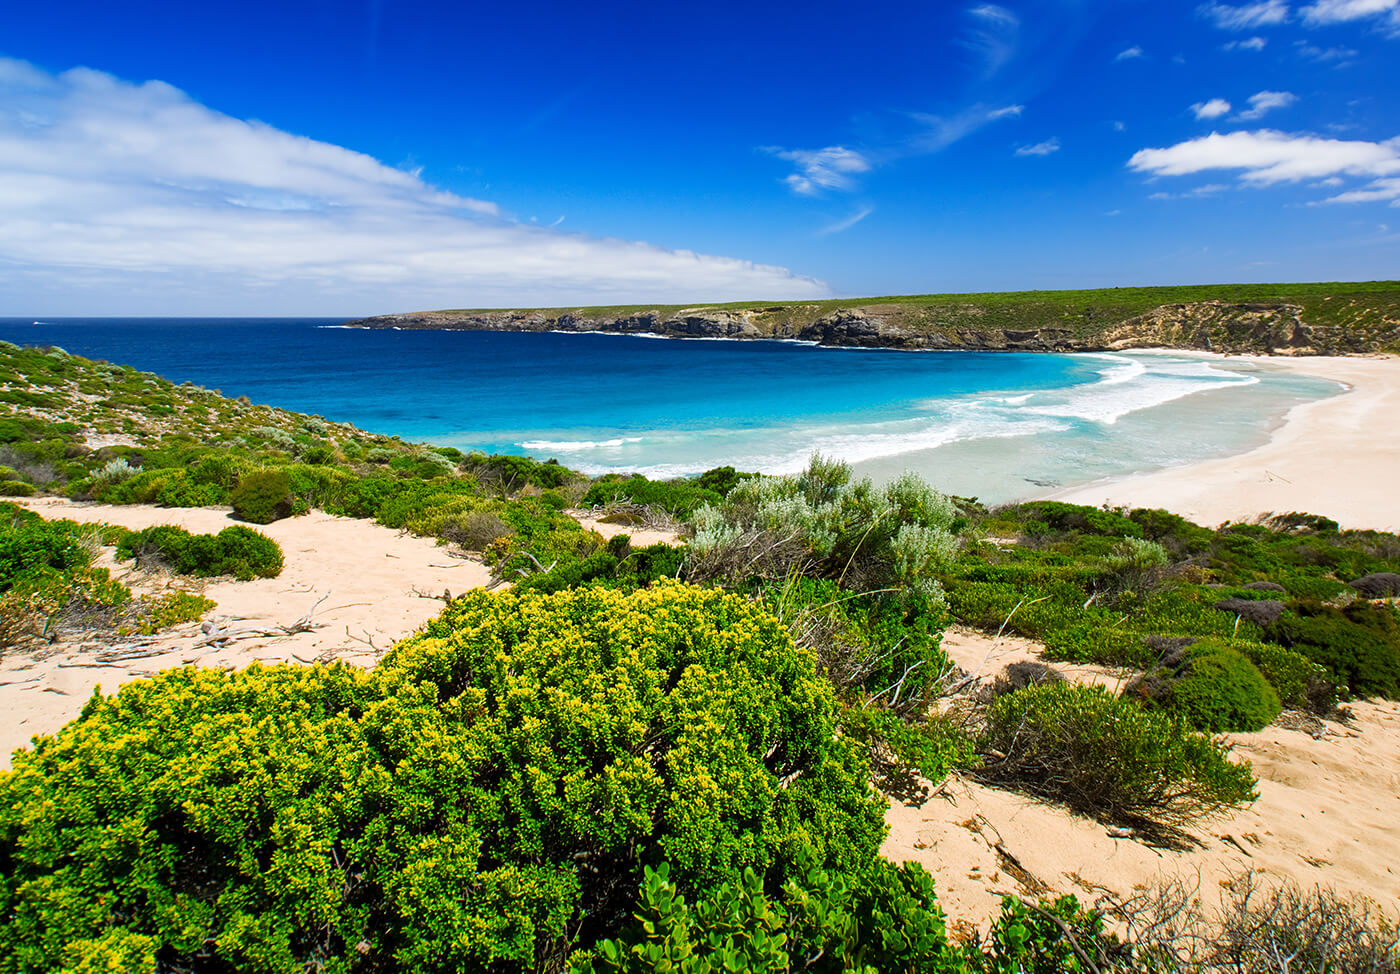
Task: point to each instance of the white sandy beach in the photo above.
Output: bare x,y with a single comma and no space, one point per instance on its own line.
1338,457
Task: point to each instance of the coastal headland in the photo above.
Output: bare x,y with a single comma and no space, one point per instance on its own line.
1270,319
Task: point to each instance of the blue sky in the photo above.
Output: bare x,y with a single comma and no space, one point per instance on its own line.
348,158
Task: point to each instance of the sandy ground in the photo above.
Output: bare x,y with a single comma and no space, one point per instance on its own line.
379,585
1337,457
640,537
1326,815
1327,810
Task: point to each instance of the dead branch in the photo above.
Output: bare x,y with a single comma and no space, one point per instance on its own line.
222,636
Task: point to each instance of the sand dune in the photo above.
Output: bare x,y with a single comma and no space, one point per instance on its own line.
1326,815
379,586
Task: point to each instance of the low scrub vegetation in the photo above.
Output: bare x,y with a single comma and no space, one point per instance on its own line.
237,551
1108,757
1211,687
49,586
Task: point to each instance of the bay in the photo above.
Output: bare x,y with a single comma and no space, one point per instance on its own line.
999,426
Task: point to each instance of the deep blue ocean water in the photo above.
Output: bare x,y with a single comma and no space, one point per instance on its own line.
997,425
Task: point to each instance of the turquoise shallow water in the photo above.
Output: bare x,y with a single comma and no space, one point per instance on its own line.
998,426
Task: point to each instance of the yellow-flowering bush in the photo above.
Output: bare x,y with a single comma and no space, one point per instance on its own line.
488,797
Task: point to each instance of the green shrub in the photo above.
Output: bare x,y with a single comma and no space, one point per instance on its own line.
822,522
1314,588
1211,687
506,474
29,544
867,644
180,489
17,488
236,550
1300,683
1358,644
679,497
1061,517
721,480
489,796
263,496
47,576
1085,642
1176,534
1108,757
157,612
882,918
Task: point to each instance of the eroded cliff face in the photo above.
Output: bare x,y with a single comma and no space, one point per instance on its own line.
1219,326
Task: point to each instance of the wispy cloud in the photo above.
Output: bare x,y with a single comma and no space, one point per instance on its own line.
1246,16
1040,148
992,36
1267,157
937,132
1200,192
1266,101
822,169
835,168
1211,109
1325,12
1340,56
1248,44
1129,54
846,223
1380,189
137,190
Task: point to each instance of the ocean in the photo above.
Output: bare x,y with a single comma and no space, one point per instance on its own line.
998,426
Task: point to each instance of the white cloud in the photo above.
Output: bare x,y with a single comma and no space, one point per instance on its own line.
1245,16
938,132
1119,126
1266,101
1266,157
847,223
993,39
1200,192
1010,111
1211,109
1380,189
1248,44
822,169
1040,148
1340,55
133,198
1128,53
1325,12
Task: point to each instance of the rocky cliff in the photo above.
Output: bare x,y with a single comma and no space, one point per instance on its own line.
1278,327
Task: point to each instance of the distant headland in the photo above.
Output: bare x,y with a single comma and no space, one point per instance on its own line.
1270,319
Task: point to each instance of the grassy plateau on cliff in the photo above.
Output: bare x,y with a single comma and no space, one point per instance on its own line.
1325,318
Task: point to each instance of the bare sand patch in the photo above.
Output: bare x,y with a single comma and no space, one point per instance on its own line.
641,537
378,585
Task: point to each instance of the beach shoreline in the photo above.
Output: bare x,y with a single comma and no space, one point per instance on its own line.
1332,457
